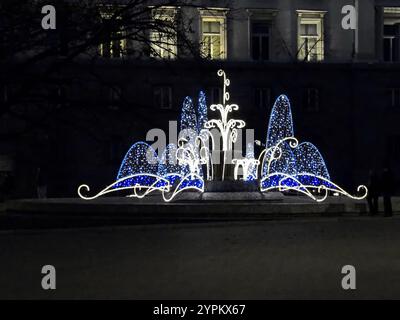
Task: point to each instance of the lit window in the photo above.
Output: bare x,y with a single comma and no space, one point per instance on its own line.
114,43
310,35
262,98
260,40
162,97
311,99
391,34
213,34
164,42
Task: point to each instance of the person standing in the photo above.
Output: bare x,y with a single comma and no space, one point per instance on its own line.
373,193
387,191
41,183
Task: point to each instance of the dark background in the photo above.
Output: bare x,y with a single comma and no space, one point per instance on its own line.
73,109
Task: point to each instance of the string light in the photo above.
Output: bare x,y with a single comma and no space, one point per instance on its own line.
188,115
227,128
309,160
280,124
285,164
288,165
202,116
303,159
248,164
168,167
140,160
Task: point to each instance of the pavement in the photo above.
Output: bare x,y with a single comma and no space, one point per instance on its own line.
65,212
292,259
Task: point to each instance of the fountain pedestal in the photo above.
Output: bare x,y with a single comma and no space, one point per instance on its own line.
242,196
237,190
231,186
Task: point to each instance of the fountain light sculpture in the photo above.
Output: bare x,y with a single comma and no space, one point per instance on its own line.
227,128
288,165
284,164
248,164
202,117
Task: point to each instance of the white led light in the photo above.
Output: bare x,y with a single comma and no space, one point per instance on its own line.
227,128
284,164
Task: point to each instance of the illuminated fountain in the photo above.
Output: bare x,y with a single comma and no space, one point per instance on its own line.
288,165
284,164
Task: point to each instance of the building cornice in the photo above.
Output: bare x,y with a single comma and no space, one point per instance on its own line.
262,13
213,12
311,13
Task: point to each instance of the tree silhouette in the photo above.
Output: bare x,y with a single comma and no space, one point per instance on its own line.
32,58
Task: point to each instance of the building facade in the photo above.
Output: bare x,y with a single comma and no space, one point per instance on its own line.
343,85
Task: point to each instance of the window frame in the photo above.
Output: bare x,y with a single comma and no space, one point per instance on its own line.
391,17
5,93
308,17
394,93
106,12
391,41
260,36
393,147
114,97
162,105
211,94
307,107
265,98
214,15
171,48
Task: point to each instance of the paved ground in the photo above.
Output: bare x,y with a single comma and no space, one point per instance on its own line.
75,212
282,259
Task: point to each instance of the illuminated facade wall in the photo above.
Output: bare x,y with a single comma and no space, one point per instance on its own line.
280,31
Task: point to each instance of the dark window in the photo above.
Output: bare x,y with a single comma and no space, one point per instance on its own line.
215,95
58,39
260,41
4,92
311,100
58,96
391,43
393,97
115,150
114,97
393,147
162,97
262,98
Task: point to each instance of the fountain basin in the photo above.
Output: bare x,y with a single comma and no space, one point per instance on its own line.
237,186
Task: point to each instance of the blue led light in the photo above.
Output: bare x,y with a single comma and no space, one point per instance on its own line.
299,162
141,158
286,164
280,124
202,116
188,115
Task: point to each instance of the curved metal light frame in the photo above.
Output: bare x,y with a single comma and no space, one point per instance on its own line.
140,191
276,152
